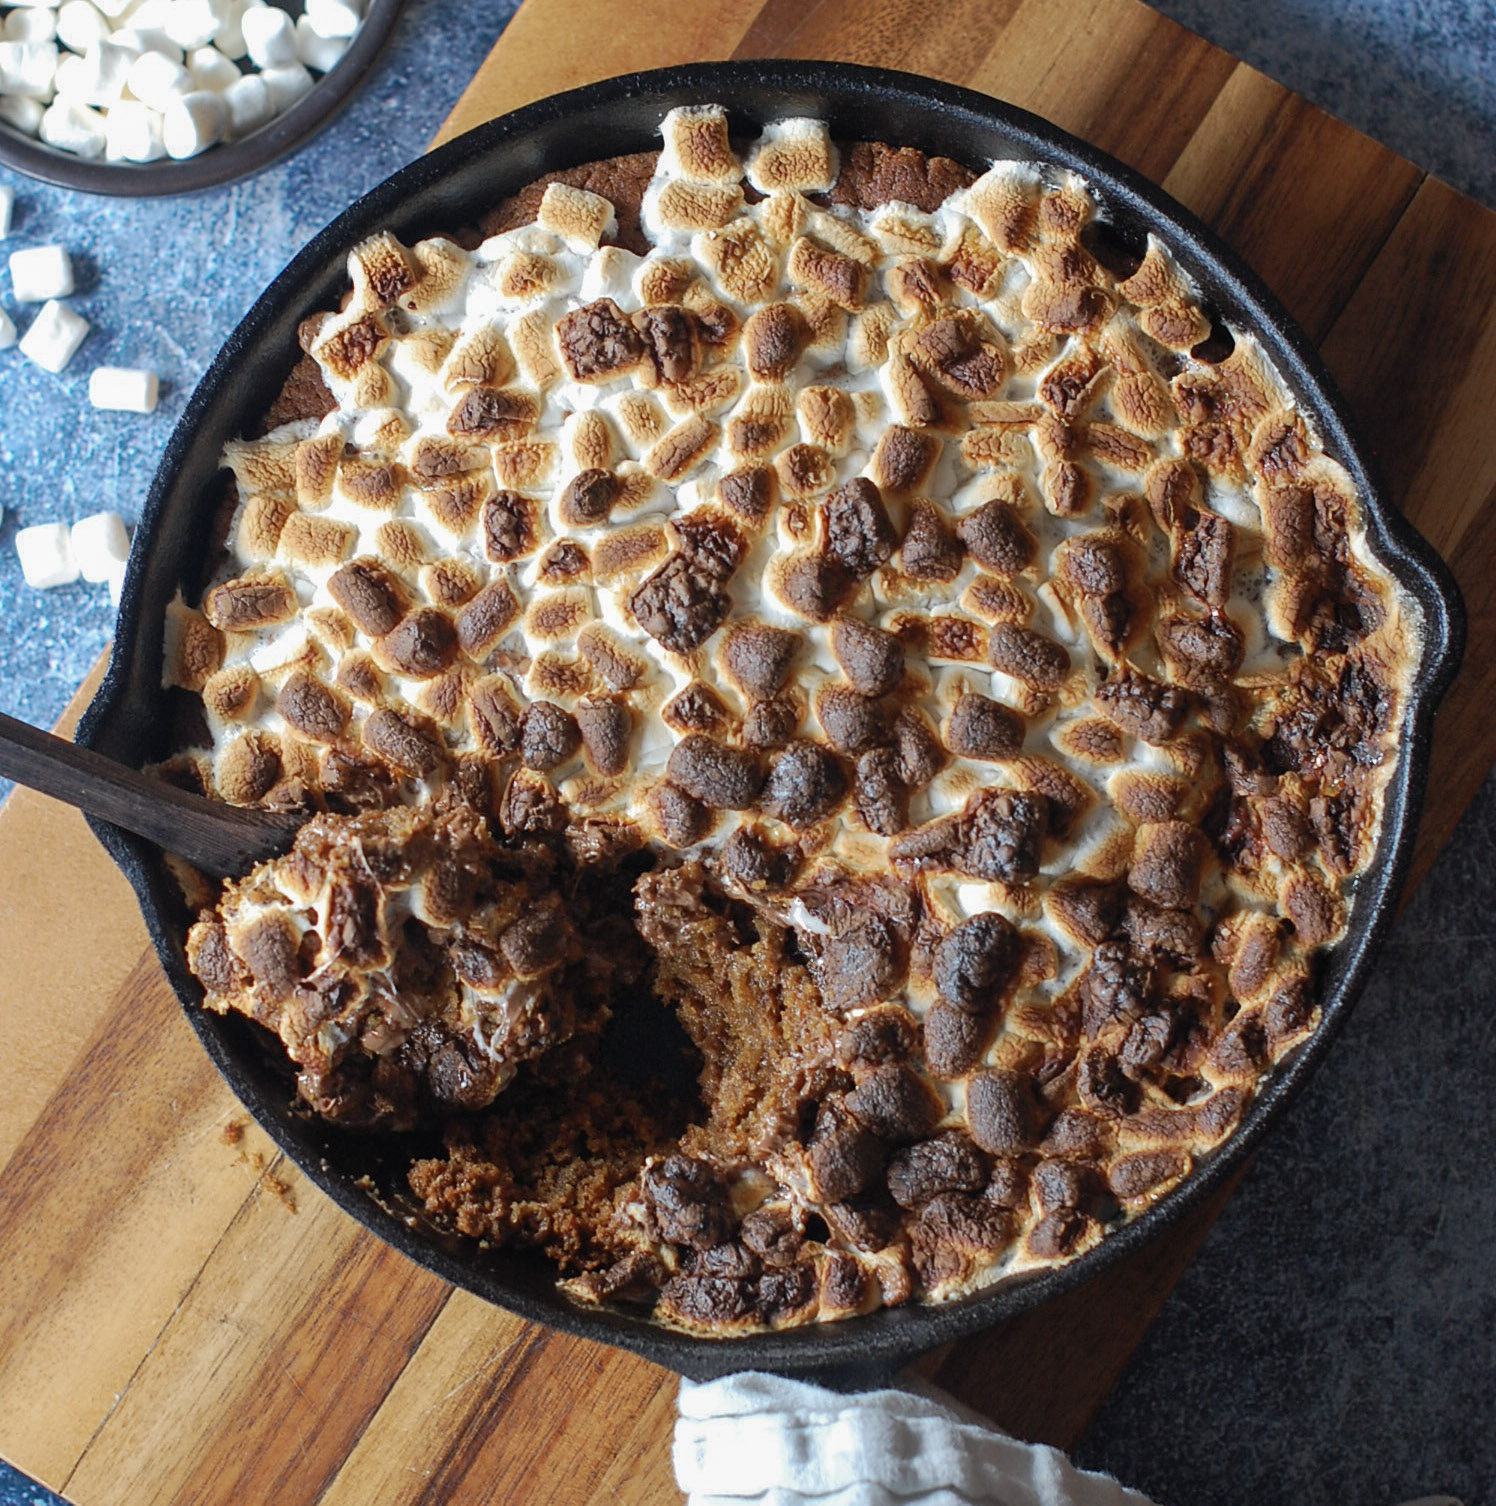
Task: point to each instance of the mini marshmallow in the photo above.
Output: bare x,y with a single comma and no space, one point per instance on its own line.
155,80
150,15
193,123
230,41
248,102
80,25
142,39
46,554
116,586
114,9
7,209
100,546
133,133
287,85
210,69
316,51
54,337
270,37
74,127
24,114
194,23
124,389
7,331
31,26
27,69
334,18
40,273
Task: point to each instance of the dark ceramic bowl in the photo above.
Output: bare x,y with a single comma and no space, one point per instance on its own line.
219,164
449,189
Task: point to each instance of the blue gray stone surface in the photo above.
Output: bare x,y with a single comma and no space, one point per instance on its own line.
1335,1342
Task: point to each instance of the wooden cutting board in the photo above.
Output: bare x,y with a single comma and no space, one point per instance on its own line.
184,1319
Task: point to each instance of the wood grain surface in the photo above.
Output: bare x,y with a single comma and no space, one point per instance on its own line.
185,1320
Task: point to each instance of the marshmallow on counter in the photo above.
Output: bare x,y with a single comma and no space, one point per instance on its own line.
124,389
7,209
316,51
155,80
27,69
193,123
81,25
134,134
114,9
31,26
24,114
46,554
100,546
270,36
40,273
287,85
7,331
334,18
54,337
210,69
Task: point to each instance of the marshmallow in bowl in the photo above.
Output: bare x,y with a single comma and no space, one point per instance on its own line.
100,546
46,555
66,69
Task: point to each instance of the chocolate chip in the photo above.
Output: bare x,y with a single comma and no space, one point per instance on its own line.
422,644
843,1156
974,961
872,660
683,820
588,498
931,550
1003,1112
1026,655
508,527
955,1039
670,340
597,342
896,1104
859,535
688,1201
721,777
860,964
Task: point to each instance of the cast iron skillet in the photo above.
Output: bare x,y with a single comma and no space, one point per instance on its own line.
448,189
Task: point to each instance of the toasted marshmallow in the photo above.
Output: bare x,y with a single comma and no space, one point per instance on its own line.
46,555
210,69
193,123
54,337
133,133
81,26
123,389
100,546
28,69
269,37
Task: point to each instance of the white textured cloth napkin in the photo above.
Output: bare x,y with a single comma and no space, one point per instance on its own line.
776,1442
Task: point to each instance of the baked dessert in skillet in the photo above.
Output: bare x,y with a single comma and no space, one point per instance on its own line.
836,713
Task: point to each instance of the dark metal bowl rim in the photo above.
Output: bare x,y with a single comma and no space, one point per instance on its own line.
876,1344
219,164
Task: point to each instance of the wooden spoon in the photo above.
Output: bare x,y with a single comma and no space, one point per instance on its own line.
222,840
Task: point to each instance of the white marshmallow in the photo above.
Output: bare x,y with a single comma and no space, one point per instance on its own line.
114,9
102,74
287,85
35,4
133,133
7,209
81,26
248,103
73,127
155,80
194,23
193,123
54,337
24,114
316,51
116,586
46,554
139,40
210,69
7,331
270,36
31,26
150,15
124,389
40,273
27,69
100,546
231,39
72,78
334,18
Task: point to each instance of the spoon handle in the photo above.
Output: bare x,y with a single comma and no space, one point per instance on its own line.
223,840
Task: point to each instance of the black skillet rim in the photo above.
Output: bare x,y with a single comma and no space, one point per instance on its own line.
876,1344
219,164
